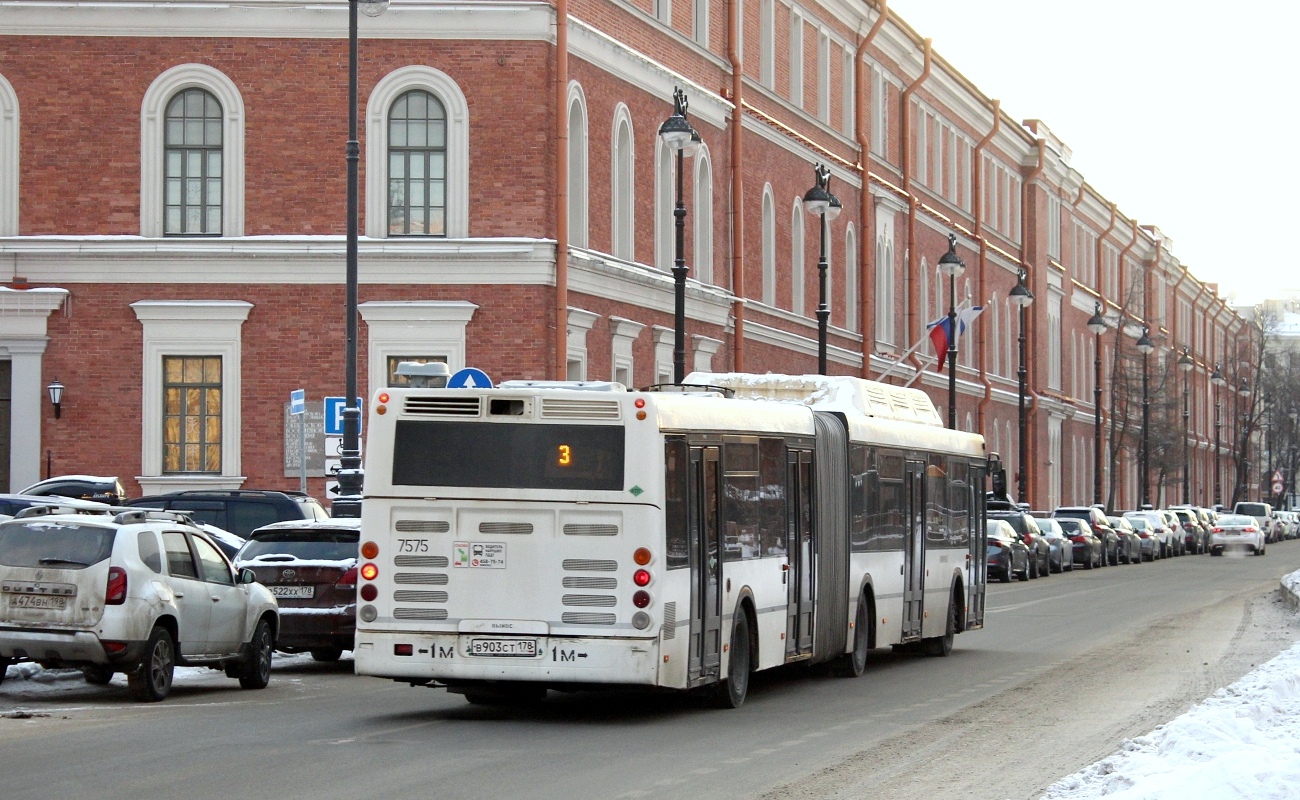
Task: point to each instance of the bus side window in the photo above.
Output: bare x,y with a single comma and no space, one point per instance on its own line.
676,472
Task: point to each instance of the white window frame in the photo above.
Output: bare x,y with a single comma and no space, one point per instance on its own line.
448,92
577,177
798,258
768,289
153,120
796,58
848,79
577,326
824,76
665,203
884,299
850,278
9,131
702,257
879,113
190,328
767,43
402,327
622,175
700,22
623,335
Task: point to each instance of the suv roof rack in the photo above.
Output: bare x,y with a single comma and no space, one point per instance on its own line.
137,515
63,506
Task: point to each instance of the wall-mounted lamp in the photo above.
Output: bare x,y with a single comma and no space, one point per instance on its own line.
56,396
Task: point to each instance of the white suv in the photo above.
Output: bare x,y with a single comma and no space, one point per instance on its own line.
138,591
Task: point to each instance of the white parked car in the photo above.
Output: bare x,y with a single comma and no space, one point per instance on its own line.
138,592
1237,531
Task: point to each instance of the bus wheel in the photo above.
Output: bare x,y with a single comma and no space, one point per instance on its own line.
731,692
853,664
941,646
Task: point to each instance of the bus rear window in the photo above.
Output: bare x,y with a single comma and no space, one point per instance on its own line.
508,455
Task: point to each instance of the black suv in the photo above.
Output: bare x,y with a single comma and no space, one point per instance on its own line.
239,511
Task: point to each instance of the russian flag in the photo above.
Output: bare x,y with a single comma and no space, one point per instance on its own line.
940,331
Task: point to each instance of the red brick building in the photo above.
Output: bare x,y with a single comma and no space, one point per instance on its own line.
172,224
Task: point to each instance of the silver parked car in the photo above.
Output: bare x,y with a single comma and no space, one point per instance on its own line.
138,592
1061,557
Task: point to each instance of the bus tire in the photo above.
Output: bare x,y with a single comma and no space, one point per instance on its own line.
941,646
854,663
731,693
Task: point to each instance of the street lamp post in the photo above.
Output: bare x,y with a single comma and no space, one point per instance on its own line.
1185,364
1096,324
821,203
1145,347
679,136
1218,380
950,264
1021,297
350,476
1243,474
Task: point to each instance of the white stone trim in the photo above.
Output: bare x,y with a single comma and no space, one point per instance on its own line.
453,101
190,328
578,323
152,112
623,334
9,131
579,174
704,348
23,321
415,327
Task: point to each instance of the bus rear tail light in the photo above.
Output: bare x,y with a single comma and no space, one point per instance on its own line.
403,649
369,550
641,599
369,592
348,581
641,577
369,571
641,556
115,592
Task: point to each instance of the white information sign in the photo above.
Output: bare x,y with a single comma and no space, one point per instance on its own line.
479,555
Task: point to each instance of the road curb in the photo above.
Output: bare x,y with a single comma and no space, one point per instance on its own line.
1290,589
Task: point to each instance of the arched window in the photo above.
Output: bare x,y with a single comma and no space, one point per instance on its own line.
192,154
884,278
769,247
417,165
924,292
417,156
8,159
577,187
665,203
621,181
851,278
798,255
703,210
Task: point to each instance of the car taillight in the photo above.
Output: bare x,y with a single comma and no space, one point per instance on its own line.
115,593
1249,529
1078,539
1096,529
1187,526
1144,535
1216,529
348,581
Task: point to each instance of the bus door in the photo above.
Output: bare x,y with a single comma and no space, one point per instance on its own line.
977,571
799,550
704,540
914,569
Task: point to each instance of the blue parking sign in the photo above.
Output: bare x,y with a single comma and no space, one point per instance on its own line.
334,415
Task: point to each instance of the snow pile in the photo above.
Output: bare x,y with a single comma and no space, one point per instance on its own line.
1243,742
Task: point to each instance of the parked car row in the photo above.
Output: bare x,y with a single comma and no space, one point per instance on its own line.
161,582
1027,544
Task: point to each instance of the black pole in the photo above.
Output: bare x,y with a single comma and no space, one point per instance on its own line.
1021,373
952,352
824,312
1218,476
1096,433
348,503
679,282
1187,432
1146,442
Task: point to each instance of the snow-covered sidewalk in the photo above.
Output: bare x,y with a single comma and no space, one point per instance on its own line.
1242,743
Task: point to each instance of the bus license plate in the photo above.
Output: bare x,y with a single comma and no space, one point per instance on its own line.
40,601
516,648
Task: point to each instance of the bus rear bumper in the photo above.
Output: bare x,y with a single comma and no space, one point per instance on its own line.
451,657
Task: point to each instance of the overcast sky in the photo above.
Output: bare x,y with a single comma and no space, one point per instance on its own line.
1182,112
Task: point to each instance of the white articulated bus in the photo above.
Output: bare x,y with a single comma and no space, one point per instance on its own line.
565,535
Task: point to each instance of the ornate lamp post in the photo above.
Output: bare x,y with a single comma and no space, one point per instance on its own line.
1243,486
1219,381
1145,347
950,264
821,203
678,134
351,478
1021,297
1096,324
1185,364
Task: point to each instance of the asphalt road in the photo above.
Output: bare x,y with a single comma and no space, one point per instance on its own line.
1066,668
